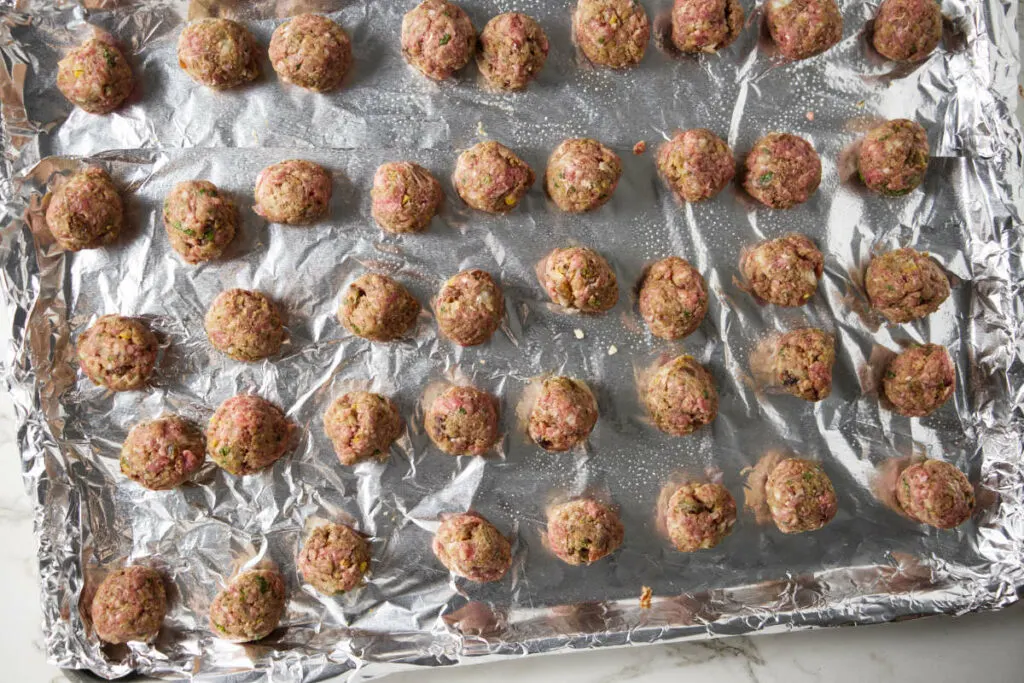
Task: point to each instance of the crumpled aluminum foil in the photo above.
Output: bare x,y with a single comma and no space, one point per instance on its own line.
869,565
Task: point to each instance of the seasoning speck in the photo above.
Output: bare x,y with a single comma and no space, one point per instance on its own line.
578,333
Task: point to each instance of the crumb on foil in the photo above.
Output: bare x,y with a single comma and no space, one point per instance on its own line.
639,148
578,333
645,597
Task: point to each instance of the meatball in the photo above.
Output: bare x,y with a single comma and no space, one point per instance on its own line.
918,381
218,53
696,164
512,51
905,285
294,192
800,496
463,421
247,434
802,363
334,558
681,396
706,25
582,174
117,353
311,51
564,415
471,547
782,170
470,307
804,28
893,157
362,425
437,38
935,493
673,298
249,608
95,76
405,197
163,453
583,531
907,30
129,605
490,177
579,278
85,212
612,33
783,271
377,308
699,516
199,220
245,325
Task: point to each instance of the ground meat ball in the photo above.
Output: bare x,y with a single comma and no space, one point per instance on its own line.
311,51
473,548
437,38
905,285
699,516
247,434
564,414
334,558
118,353
470,307
582,174
802,363
377,308
611,33
583,531
163,453
783,271
919,380
696,164
893,157
95,76
800,496
512,51
935,493
804,28
362,425
579,278
405,197
249,608
706,25
129,605
681,396
463,421
907,30
85,212
199,220
245,325
218,53
673,298
782,170
294,192
490,177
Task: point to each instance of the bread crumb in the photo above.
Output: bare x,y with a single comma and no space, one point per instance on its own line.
612,350
578,333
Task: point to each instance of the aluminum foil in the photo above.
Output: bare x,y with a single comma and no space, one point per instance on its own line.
868,565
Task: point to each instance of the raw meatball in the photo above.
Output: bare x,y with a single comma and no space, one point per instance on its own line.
362,425
85,212
935,493
311,51
907,30
582,174
893,157
377,308
800,496
699,516
473,548
512,51
783,170
245,325
249,608
564,415
804,28
334,558
117,353
681,396
463,421
247,434
905,285
95,76
583,531
673,298
802,363
163,453
611,33
783,271
470,307
129,605
405,197
218,53
294,192
919,380
579,278
490,177
696,164
199,220
706,25
437,38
